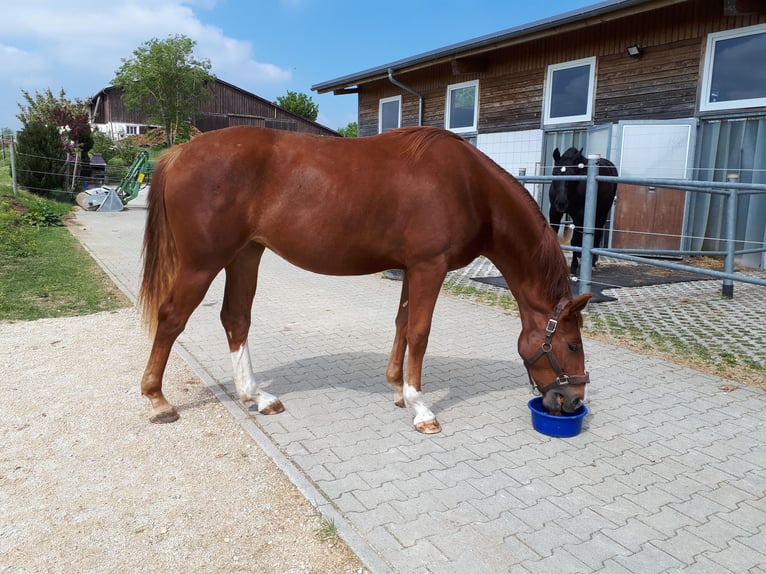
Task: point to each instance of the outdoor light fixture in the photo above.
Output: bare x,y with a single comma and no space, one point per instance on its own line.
634,51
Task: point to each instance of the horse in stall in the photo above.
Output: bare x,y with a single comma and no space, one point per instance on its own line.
569,197
417,199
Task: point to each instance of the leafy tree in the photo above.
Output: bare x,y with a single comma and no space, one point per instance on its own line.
164,81
41,158
299,103
70,116
350,131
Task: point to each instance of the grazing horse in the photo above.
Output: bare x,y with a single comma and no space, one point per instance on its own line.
569,197
417,199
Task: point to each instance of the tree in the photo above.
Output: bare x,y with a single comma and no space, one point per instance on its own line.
71,117
350,131
41,158
299,103
166,83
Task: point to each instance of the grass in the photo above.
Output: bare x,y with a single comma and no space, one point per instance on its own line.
327,531
637,336
44,271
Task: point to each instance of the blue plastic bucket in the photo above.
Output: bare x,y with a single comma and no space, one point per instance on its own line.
564,425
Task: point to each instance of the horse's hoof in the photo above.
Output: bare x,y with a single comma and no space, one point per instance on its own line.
428,427
400,403
167,415
273,408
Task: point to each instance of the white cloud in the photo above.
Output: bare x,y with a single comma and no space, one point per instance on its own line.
78,44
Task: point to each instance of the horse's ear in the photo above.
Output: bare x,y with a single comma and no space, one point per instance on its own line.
556,155
578,304
580,152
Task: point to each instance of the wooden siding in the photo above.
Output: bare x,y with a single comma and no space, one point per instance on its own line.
662,84
228,106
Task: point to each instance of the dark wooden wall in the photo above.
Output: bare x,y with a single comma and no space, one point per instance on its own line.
227,106
661,84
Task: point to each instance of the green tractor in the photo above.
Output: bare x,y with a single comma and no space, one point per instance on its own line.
107,198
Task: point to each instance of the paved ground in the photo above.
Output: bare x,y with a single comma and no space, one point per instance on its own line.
669,474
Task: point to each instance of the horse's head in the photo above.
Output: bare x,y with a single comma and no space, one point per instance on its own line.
571,163
554,357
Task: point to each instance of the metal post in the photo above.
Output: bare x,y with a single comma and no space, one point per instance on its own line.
727,290
13,166
589,224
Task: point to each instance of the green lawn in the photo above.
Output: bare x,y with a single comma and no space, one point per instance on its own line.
44,272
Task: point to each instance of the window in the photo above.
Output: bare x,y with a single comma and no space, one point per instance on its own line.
569,92
390,114
463,107
733,74
131,130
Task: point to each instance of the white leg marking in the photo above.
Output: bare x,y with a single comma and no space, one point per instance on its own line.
414,400
244,379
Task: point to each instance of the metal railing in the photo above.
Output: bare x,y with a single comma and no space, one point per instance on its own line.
731,190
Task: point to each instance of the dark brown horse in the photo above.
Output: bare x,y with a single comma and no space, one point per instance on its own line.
417,199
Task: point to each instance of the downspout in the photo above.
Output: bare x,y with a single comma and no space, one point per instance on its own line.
397,83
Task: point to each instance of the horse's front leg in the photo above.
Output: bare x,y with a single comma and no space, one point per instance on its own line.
424,288
241,283
395,368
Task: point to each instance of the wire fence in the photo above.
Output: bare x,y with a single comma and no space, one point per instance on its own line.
78,175
730,190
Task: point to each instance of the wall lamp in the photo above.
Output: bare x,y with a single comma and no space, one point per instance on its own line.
634,51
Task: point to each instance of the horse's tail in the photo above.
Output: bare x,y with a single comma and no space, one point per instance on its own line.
159,251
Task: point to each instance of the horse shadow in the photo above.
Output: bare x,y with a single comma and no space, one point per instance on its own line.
354,379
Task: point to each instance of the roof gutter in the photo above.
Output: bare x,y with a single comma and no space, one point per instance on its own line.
398,84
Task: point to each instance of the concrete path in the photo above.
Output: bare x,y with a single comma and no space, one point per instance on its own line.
668,475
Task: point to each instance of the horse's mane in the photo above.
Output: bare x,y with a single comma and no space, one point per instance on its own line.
549,255
419,138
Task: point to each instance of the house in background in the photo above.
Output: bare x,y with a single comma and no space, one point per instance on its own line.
664,88
228,106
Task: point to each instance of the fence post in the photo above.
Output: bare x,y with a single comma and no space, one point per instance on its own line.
13,165
727,289
589,224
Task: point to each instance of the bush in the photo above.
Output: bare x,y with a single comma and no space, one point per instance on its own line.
116,169
41,158
104,145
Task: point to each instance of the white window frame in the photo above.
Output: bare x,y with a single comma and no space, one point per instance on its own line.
398,100
468,129
552,69
707,74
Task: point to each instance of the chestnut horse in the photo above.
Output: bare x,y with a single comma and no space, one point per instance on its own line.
417,199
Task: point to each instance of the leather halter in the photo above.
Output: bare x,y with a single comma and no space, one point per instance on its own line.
547,349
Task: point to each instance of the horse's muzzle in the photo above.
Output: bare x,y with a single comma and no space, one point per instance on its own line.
557,401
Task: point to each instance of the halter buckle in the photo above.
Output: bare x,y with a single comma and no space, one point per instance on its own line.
550,328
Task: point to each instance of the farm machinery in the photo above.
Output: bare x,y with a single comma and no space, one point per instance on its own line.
106,198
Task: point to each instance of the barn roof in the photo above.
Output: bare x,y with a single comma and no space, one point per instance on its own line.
594,14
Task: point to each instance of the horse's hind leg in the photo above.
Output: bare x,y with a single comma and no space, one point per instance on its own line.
395,368
188,291
241,283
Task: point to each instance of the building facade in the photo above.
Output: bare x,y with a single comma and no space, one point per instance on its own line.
663,88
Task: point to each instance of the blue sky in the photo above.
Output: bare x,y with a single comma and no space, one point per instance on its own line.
264,46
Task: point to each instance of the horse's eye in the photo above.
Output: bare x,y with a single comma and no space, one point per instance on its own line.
572,347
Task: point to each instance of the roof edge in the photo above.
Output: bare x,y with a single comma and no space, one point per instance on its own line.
570,17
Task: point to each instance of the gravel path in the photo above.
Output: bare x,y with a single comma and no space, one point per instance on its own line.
87,485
